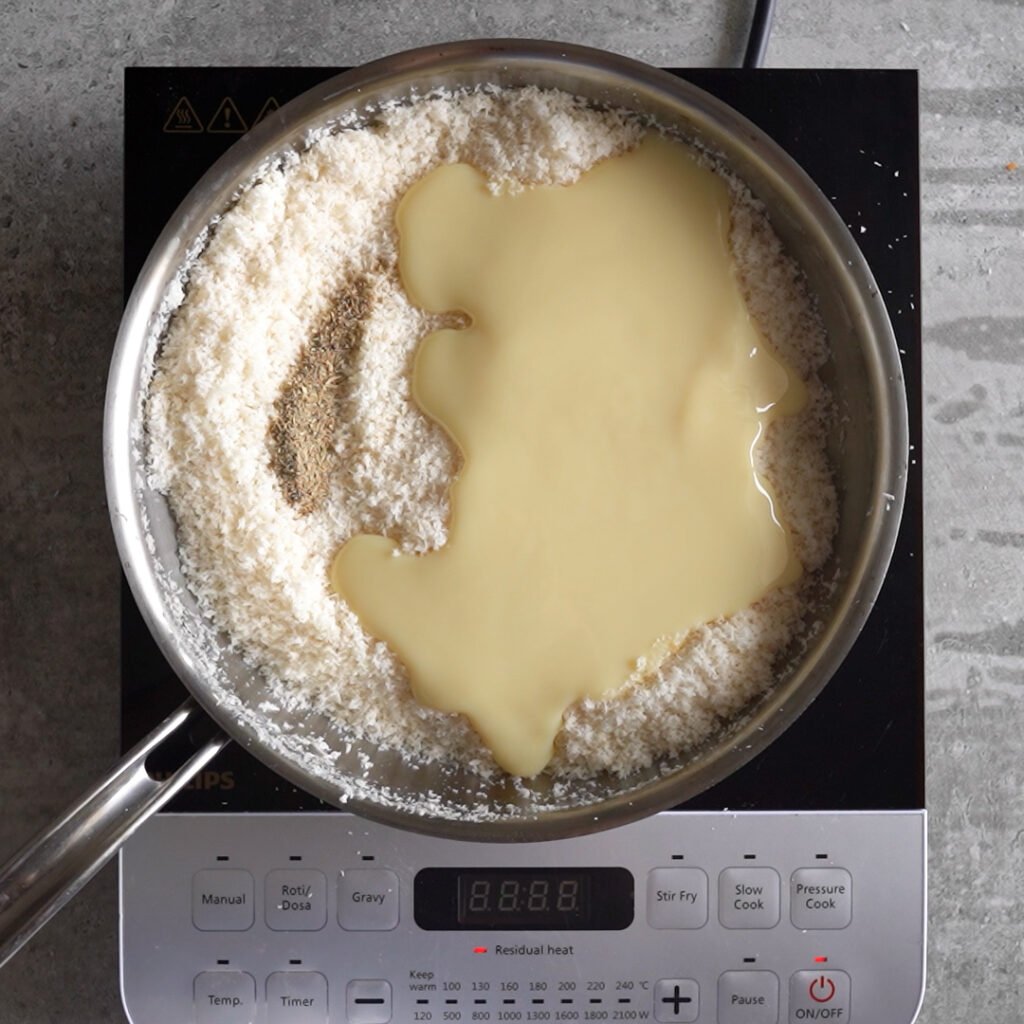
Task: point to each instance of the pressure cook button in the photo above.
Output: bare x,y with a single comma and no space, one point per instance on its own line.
296,997
676,999
368,900
677,898
224,997
748,997
296,901
820,898
748,898
819,996
368,1002
222,900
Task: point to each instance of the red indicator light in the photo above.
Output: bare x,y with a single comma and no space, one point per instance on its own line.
479,949
821,959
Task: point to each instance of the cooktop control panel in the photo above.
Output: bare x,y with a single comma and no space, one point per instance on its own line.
734,918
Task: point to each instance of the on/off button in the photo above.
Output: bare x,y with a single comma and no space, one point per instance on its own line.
819,996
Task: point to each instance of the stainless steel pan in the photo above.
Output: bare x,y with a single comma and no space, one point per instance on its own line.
869,452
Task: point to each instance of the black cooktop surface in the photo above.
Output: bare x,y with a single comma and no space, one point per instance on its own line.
860,746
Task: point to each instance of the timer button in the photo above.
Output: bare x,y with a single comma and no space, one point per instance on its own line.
368,900
296,997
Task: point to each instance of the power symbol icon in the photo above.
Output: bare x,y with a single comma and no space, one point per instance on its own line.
822,989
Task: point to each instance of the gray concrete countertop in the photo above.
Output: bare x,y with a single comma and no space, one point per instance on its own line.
60,297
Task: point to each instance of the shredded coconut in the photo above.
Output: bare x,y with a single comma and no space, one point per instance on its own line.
258,562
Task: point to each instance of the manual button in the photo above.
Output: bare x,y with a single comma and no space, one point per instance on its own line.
368,900
820,898
222,900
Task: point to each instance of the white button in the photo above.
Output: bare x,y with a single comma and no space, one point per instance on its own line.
676,999
821,898
222,900
368,1002
296,997
748,997
368,900
296,901
224,997
677,898
748,898
819,996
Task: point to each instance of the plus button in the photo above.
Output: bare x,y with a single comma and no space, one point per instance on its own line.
675,999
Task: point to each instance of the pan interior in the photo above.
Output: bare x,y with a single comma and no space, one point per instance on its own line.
310,749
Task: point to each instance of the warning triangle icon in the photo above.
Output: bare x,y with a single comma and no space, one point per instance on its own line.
268,108
227,120
183,118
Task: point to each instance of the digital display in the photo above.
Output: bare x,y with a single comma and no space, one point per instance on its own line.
521,899
536,899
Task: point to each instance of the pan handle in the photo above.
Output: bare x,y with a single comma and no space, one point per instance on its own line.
45,873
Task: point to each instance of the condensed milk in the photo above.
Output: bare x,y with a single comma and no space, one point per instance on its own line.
607,399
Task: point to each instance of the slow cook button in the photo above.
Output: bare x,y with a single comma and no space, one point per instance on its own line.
677,898
748,898
296,900
222,900
748,997
368,900
224,997
819,996
821,898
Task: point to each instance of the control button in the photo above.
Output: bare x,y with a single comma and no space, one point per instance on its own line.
296,901
368,900
676,999
296,997
748,997
677,898
819,995
224,997
368,1002
222,900
820,898
748,898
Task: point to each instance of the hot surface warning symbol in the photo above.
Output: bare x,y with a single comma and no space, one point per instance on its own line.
268,108
183,118
227,119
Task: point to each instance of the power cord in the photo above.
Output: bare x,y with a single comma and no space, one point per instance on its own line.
760,29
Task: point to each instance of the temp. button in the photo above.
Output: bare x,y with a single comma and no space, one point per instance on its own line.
368,900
